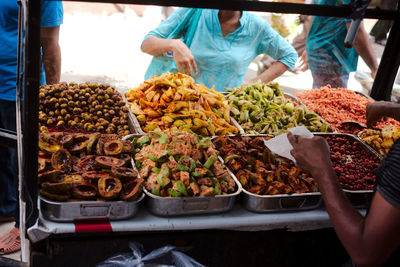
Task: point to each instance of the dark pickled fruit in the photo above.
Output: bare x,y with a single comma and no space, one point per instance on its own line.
132,190
73,179
85,164
127,147
124,174
41,164
92,142
95,175
50,176
109,187
99,147
61,160
84,191
67,140
55,197
108,162
126,158
113,148
47,147
61,188
79,147
81,137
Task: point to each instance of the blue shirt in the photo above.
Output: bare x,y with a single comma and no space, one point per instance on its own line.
51,16
223,61
325,50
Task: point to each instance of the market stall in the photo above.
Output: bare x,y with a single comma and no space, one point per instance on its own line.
98,149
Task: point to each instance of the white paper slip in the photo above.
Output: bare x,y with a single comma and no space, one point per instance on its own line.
280,144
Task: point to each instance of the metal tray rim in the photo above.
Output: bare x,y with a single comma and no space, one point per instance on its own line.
52,202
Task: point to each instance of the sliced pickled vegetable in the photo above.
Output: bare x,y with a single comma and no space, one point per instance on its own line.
50,176
79,147
113,148
67,140
124,174
41,164
132,190
73,178
92,142
84,191
210,162
109,187
181,188
87,163
108,162
61,188
61,160
95,175
55,197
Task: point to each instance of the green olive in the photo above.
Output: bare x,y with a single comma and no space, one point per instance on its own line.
67,116
50,122
76,119
100,129
51,114
112,112
60,123
44,129
73,123
60,118
42,95
90,127
63,106
63,112
56,112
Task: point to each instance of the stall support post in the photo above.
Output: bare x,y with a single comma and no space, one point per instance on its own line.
387,70
28,121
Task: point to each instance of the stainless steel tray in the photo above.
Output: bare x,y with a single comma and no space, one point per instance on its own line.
71,211
358,198
278,203
165,206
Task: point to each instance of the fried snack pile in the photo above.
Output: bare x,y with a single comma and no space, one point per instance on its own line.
175,102
81,167
181,164
86,107
381,140
263,108
259,171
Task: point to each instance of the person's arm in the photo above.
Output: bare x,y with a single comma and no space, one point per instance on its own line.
379,109
302,64
184,59
49,37
364,49
368,241
276,70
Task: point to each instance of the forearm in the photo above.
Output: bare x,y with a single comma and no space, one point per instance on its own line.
52,63
348,223
364,49
276,70
157,46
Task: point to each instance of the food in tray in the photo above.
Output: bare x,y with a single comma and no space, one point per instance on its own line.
181,164
355,166
259,171
263,108
78,167
87,107
337,105
381,140
175,102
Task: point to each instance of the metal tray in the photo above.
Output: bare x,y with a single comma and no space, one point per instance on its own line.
364,95
84,210
358,198
279,203
164,206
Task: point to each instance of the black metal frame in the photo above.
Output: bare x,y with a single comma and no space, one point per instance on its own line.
381,89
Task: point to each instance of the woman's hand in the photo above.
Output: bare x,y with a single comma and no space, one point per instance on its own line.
302,64
311,154
183,57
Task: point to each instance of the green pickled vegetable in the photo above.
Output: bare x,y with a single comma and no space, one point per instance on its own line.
181,167
210,161
181,188
155,191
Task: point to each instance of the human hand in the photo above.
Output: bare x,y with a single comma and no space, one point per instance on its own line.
311,154
184,58
301,64
373,74
375,112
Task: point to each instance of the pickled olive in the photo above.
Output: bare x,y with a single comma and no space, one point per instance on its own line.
84,191
61,160
109,187
108,162
124,174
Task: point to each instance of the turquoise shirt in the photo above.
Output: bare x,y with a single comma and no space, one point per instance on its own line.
325,50
51,16
223,61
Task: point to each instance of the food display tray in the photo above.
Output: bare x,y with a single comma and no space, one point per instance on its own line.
177,206
358,198
278,203
84,210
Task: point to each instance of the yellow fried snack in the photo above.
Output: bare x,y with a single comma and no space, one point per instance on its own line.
175,102
381,140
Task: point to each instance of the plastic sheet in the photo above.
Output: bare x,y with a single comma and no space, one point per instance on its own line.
167,256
